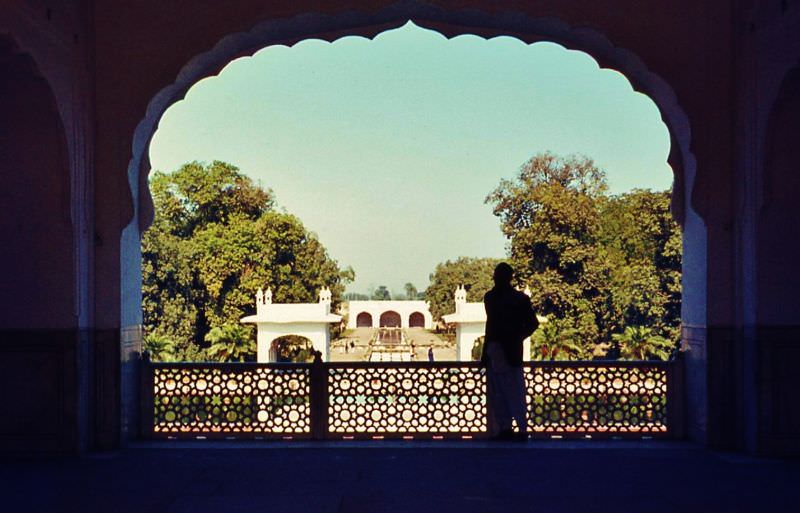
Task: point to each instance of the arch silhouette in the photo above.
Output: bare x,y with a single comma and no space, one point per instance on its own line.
390,319
364,320
37,286
777,254
449,23
416,320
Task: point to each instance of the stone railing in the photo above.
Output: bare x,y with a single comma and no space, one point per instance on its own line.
346,400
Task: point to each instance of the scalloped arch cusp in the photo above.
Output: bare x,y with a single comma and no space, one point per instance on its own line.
449,23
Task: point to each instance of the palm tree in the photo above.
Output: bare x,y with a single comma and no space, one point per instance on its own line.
555,340
640,343
159,347
230,343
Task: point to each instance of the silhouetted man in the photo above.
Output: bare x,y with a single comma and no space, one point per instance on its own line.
510,319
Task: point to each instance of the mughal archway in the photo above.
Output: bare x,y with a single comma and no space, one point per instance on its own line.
364,320
371,313
777,274
37,282
451,23
291,348
416,320
390,319
727,67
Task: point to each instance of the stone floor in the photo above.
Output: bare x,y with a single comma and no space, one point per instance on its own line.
408,477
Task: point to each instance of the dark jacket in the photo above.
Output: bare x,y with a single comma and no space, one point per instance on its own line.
510,319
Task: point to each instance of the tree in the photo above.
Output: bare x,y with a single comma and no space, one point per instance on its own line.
355,296
640,343
596,264
215,240
475,274
381,294
159,347
557,340
411,291
644,244
231,343
550,216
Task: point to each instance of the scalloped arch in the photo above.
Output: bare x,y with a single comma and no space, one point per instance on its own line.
449,23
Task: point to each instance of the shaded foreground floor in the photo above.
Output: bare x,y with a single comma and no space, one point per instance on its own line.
409,477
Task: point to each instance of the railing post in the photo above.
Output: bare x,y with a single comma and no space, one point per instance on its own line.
319,398
146,396
676,418
491,428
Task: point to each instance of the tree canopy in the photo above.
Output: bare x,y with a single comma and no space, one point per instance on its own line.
381,294
216,238
475,274
596,264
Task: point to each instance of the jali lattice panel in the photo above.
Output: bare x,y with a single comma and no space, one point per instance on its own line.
224,400
597,399
415,400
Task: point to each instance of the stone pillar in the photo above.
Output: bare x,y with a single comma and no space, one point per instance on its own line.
466,335
462,354
321,340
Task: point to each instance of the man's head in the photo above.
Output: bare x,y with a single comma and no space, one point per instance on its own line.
503,274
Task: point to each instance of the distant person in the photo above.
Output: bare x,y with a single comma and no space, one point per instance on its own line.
510,319
430,354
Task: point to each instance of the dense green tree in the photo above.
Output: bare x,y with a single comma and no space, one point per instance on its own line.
641,343
550,215
168,293
411,291
595,264
381,294
355,296
643,244
557,340
215,240
159,347
230,343
475,274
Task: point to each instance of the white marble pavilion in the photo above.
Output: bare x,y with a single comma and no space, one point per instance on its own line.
470,321
309,320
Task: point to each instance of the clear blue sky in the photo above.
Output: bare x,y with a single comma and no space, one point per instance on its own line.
387,148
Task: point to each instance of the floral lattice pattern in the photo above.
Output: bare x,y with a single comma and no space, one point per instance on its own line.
597,399
406,400
230,399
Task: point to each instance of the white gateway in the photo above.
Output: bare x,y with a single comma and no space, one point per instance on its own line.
389,314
